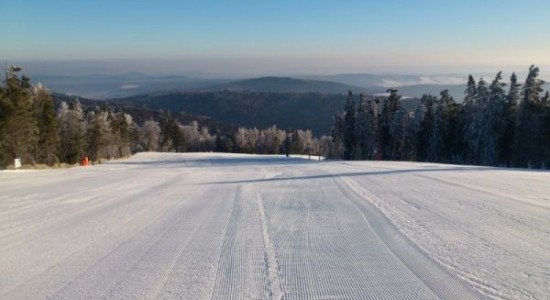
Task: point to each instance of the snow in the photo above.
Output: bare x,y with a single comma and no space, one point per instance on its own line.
212,226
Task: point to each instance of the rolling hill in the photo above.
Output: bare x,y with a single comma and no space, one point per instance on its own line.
254,109
285,85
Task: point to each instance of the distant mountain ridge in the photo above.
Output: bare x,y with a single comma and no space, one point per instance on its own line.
111,86
274,84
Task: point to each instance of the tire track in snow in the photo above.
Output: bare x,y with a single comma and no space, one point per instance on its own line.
152,270
228,275
272,266
109,202
325,251
434,276
487,231
36,202
99,242
74,260
241,270
194,273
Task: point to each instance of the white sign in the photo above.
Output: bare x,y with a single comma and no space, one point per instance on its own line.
17,163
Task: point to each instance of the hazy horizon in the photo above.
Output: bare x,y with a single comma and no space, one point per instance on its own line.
286,38
233,69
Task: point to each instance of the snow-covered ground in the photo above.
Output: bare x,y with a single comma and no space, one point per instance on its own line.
222,226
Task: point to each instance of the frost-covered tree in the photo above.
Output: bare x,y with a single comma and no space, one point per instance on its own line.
361,128
490,127
507,139
121,131
171,138
304,141
528,150
493,125
337,132
411,143
392,126
240,139
72,131
206,139
473,120
365,129
149,135
426,113
348,136
99,135
437,133
48,139
273,139
452,131
199,138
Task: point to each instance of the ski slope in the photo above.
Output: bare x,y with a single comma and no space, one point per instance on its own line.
227,226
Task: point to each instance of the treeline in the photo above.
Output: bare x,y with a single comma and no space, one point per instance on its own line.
33,129
36,130
493,126
276,141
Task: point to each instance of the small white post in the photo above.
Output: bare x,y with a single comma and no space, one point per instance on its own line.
17,163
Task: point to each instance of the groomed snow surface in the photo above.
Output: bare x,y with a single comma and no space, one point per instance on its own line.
225,226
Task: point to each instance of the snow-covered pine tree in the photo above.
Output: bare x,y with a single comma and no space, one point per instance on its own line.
99,135
349,139
396,120
48,140
435,142
337,133
452,137
425,111
528,140
493,124
506,142
72,132
474,105
546,130
362,127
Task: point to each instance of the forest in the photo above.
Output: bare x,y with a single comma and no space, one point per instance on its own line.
41,128
497,124
250,108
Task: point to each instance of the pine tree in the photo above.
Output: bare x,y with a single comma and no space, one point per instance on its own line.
337,132
122,128
426,112
99,135
72,132
18,128
471,91
493,123
392,126
528,149
507,140
452,132
546,131
349,139
362,128
411,142
473,120
48,138
171,138
436,139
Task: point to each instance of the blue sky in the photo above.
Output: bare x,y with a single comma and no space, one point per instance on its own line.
285,36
